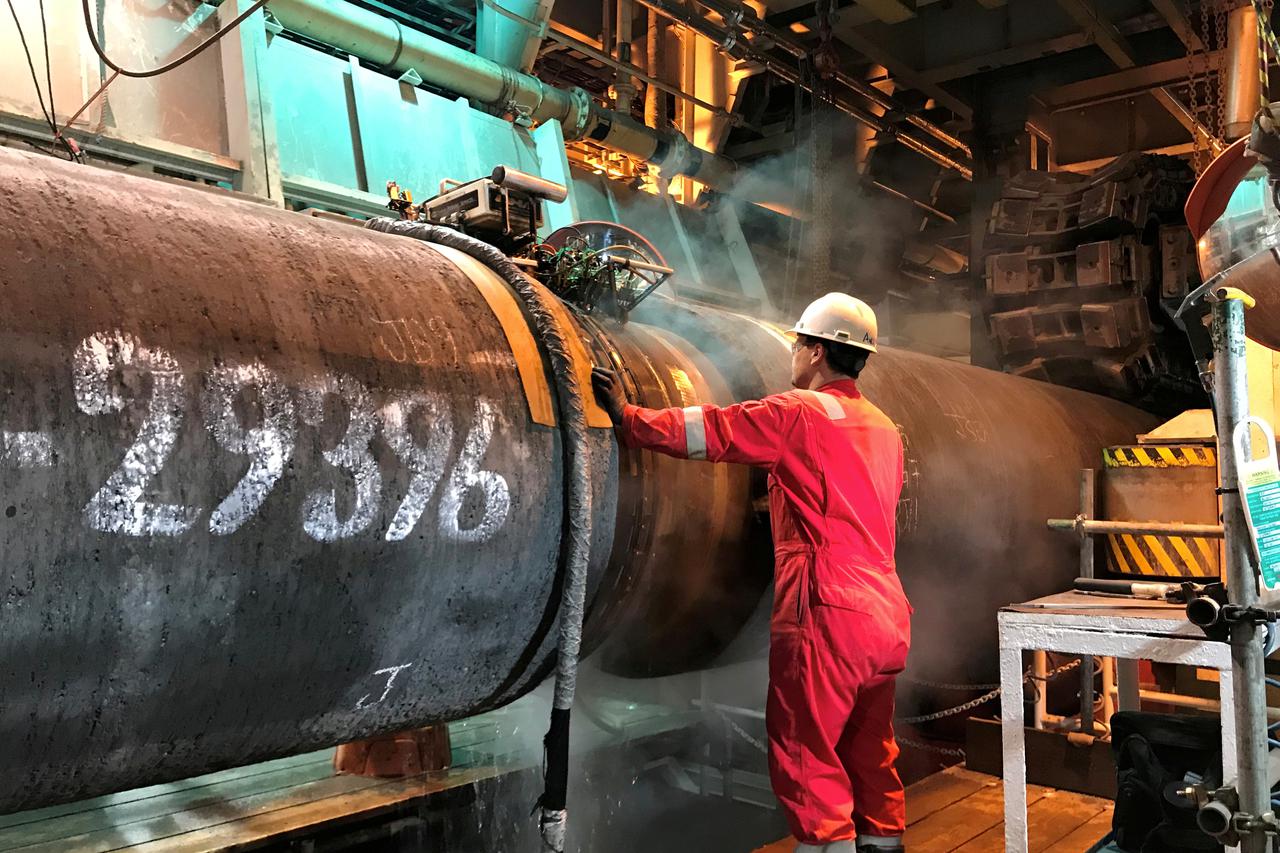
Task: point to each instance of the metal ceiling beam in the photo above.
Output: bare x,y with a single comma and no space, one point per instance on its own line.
1015,54
1176,14
890,11
903,73
1120,84
803,13
1113,43
1012,55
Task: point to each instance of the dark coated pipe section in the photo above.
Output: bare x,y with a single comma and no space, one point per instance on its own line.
273,483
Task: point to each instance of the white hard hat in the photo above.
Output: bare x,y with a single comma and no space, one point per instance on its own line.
841,318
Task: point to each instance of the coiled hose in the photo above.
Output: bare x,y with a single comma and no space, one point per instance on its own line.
572,407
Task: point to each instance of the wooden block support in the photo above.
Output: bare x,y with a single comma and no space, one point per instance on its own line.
397,755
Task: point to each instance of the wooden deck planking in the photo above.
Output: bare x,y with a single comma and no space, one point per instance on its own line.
959,811
1050,820
283,822
1085,836
963,821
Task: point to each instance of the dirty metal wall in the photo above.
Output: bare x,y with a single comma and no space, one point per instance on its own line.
184,108
273,483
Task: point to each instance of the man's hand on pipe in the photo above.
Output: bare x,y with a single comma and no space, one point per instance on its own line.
609,392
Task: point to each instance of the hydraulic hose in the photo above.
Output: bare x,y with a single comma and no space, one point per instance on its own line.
576,549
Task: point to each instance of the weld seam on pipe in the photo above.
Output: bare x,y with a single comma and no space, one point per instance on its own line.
573,422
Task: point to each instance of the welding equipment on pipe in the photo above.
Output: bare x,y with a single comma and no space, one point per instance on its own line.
514,179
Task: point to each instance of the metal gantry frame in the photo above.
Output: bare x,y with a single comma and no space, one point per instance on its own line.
1252,818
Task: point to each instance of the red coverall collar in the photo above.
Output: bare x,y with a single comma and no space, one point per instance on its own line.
845,387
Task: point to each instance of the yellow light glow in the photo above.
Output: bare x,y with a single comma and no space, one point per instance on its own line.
800,27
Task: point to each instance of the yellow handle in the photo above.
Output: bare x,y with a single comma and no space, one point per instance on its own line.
1236,293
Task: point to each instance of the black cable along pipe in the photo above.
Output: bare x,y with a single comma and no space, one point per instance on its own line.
90,30
575,553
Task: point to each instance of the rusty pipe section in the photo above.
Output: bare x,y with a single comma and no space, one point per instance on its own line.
273,483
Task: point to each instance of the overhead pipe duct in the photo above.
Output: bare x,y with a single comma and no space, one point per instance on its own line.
509,32
729,41
739,15
385,42
275,483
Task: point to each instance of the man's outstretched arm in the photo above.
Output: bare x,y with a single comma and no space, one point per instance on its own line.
752,433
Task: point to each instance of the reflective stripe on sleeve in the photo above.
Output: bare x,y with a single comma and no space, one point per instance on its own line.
695,433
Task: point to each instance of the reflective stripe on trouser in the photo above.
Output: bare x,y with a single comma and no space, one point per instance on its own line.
874,842
830,724
695,433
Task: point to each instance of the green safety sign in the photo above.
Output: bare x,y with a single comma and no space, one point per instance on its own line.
1260,490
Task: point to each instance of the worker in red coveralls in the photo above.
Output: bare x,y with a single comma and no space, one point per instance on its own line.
841,623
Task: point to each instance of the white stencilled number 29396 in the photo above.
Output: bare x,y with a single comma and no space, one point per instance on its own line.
269,445
352,454
118,507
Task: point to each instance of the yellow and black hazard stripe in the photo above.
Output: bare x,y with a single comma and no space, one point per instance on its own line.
1163,556
1159,456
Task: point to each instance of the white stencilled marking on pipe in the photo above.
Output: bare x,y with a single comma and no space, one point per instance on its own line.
467,476
28,449
270,445
426,462
119,507
352,454
390,672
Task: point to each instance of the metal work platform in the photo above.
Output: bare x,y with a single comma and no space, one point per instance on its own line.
959,811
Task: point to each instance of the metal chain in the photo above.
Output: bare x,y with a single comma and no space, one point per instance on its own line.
951,712
1197,71
938,715
1220,24
986,697
946,685
1266,47
928,747
742,733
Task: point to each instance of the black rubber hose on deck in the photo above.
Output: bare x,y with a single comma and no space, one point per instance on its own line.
571,403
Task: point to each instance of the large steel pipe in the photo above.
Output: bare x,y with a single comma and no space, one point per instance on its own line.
272,483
